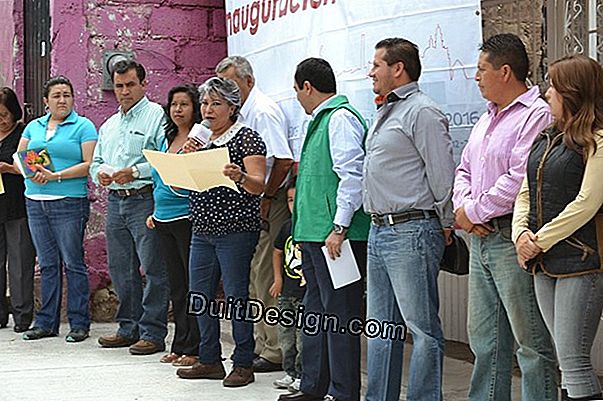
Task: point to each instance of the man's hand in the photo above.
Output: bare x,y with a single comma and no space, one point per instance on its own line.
150,223
104,179
461,219
333,244
448,236
277,287
123,176
526,248
482,230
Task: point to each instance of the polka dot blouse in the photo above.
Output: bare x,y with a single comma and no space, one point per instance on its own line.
221,210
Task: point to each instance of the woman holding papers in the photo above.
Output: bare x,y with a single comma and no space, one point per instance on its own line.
15,240
557,220
170,219
226,227
58,208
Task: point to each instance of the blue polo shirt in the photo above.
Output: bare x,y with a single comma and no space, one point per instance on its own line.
65,150
170,205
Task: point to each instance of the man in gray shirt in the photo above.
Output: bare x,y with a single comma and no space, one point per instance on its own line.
407,188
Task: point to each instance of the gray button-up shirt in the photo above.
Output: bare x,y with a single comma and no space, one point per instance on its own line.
408,163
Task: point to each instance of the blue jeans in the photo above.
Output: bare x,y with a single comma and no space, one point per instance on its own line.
130,244
403,266
228,257
571,307
57,230
503,308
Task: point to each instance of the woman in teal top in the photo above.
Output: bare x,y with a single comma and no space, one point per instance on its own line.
58,210
170,219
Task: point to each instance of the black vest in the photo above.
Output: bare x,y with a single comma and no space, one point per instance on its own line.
555,175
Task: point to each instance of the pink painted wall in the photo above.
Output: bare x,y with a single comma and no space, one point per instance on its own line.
7,43
178,41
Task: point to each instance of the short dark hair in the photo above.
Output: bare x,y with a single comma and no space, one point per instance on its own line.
171,129
506,48
8,98
401,50
318,73
123,66
58,80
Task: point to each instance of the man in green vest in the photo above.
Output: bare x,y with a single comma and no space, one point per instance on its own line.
327,211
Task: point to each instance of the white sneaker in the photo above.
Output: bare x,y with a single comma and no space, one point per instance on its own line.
284,382
294,387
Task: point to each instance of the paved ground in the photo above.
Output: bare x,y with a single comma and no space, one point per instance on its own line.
53,370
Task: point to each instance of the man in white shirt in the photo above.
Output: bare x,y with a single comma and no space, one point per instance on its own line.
264,116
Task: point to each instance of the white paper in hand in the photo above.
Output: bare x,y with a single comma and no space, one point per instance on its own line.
17,163
344,269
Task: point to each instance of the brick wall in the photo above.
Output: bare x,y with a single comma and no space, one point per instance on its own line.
177,41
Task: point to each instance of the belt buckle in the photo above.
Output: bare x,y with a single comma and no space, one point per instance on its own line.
390,219
127,191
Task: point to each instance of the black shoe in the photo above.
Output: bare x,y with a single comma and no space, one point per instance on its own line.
261,365
20,328
77,335
35,333
299,396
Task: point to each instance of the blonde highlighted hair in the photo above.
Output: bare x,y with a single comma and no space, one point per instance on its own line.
579,81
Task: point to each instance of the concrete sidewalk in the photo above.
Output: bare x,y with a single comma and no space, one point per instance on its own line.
53,370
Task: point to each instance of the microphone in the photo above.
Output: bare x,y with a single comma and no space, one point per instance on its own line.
201,133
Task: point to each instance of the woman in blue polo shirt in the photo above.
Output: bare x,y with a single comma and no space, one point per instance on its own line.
170,219
58,210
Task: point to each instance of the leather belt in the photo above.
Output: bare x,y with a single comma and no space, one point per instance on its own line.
403,217
124,193
501,222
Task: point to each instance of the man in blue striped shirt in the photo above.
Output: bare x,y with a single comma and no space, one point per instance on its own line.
119,165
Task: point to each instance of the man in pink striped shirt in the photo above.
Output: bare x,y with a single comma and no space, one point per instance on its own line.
502,304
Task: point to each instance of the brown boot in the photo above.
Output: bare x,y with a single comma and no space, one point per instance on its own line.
203,371
116,341
145,347
239,377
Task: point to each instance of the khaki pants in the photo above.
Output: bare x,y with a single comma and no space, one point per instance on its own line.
262,277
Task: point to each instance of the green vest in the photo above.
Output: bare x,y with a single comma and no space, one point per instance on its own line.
316,187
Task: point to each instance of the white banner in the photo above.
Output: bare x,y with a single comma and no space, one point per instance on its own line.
275,35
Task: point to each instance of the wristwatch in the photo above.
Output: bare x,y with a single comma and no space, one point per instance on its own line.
339,229
135,172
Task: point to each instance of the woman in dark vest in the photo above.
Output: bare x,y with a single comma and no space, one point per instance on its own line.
557,225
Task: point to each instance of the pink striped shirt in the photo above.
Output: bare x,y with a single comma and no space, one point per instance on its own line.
493,163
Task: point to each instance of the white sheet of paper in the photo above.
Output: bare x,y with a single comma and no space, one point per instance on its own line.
18,164
197,171
344,269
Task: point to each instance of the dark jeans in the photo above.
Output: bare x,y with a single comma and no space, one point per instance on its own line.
57,229
289,340
130,244
175,239
17,249
227,257
331,361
